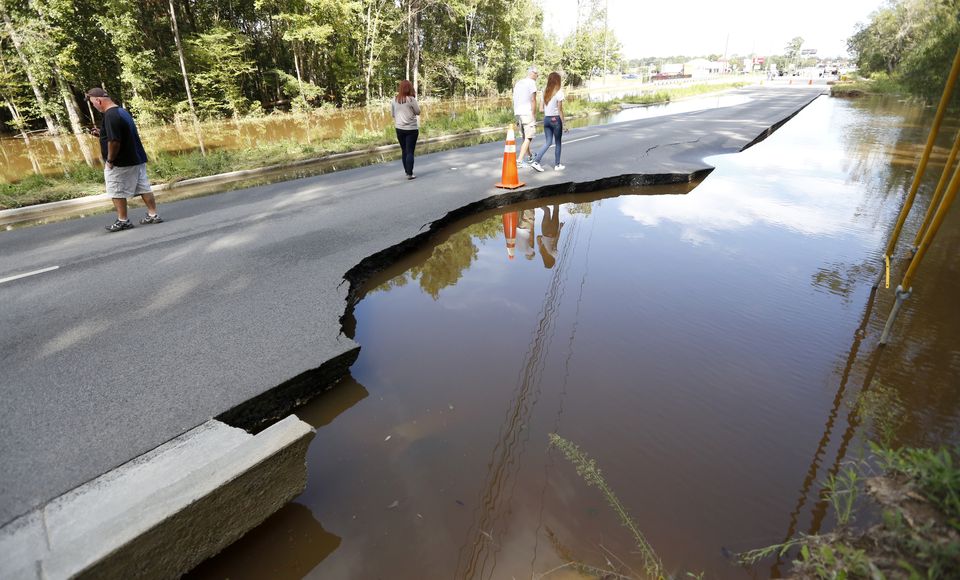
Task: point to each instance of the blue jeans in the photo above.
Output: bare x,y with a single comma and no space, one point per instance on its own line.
553,131
408,143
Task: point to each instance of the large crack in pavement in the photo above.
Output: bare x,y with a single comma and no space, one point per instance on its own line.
260,412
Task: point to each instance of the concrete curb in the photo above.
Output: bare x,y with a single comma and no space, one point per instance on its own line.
163,513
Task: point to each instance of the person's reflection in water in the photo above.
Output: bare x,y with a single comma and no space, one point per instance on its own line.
550,227
525,233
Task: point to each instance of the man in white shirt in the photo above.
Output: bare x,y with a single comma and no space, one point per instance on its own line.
524,110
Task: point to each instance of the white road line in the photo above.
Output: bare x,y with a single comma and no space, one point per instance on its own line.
580,139
34,273
568,142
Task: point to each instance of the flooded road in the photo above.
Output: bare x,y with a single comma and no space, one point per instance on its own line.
712,348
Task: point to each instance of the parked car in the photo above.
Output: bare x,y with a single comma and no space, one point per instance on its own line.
630,76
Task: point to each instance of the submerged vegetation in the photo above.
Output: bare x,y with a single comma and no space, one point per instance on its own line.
588,470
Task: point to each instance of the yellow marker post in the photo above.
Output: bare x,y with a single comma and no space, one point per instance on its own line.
938,218
937,193
937,120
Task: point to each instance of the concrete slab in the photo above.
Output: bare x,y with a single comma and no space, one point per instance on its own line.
162,513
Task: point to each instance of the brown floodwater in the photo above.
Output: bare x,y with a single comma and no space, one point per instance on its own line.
46,155
713,348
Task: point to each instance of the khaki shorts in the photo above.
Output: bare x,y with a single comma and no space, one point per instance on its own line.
527,126
126,181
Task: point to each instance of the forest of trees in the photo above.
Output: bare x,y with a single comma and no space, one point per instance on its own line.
912,42
168,60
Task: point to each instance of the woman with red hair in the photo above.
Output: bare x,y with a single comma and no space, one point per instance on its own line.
406,118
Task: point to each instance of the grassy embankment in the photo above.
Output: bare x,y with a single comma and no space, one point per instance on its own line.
79,180
878,84
918,492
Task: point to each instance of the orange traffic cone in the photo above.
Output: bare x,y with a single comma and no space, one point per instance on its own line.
510,231
508,176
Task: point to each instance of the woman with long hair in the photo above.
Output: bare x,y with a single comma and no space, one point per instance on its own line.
406,118
552,119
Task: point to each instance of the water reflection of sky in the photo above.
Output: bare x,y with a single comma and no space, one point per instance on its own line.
803,186
681,106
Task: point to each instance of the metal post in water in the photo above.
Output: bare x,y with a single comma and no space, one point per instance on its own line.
888,327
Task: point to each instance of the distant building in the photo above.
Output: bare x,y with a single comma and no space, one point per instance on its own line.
701,68
671,69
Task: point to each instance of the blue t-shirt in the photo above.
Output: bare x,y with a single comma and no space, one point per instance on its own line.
118,125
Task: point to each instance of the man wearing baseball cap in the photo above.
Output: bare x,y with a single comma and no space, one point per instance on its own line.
124,160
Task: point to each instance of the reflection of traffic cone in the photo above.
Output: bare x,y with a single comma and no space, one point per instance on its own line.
510,231
508,177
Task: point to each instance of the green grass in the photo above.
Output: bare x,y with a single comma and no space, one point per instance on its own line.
79,180
935,473
919,536
878,84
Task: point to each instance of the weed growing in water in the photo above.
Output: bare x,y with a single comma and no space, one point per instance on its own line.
588,470
842,490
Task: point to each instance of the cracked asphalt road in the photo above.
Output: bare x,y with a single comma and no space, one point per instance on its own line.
127,340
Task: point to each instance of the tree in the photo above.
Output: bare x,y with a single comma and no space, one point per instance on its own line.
591,43
31,72
313,30
912,41
792,50
220,57
186,81
139,65
11,91
221,64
